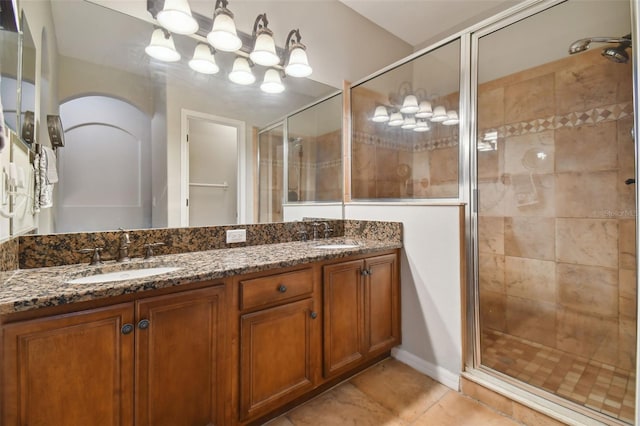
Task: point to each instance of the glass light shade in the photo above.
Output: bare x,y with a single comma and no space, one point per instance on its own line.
409,123
264,52
272,82
380,115
424,110
298,65
223,35
409,105
203,60
421,126
176,17
439,114
452,118
162,48
396,119
241,72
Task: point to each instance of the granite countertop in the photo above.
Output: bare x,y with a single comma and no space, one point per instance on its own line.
28,289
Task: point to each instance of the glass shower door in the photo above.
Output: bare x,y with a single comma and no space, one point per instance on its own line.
556,209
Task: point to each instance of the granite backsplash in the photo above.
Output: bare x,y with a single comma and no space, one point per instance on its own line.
36,251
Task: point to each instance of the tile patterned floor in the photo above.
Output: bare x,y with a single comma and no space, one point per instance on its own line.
601,387
391,393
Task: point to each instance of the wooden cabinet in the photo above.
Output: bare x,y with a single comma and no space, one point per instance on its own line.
179,356
74,369
79,368
361,304
279,345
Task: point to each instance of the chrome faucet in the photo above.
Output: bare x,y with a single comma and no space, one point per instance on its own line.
327,230
315,230
123,251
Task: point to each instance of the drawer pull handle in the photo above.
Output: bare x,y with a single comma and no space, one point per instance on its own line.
126,329
143,324
314,315
282,288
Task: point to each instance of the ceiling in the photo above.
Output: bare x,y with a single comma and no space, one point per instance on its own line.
419,21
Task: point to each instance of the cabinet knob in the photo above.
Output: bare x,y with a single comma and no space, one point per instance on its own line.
314,315
126,329
282,288
143,324
365,272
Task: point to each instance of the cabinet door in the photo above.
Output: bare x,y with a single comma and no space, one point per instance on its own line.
178,358
382,304
343,316
74,369
278,348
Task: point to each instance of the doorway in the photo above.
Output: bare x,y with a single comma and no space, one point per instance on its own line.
212,148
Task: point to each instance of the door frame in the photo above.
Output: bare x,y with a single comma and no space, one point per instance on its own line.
240,126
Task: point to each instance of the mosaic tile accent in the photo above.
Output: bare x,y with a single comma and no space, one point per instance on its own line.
9,255
408,142
596,385
28,289
573,119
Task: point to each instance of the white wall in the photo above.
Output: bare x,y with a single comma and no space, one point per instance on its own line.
4,196
431,282
320,210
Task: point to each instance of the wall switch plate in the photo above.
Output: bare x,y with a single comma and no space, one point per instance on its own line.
236,236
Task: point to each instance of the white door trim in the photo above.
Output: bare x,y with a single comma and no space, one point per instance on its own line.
184,161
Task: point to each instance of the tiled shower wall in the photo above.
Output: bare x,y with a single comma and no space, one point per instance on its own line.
395,163
557,221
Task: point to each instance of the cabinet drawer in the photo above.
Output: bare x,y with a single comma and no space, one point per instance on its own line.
274,288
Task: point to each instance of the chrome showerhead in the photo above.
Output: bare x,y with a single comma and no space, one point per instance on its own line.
617,54
584,43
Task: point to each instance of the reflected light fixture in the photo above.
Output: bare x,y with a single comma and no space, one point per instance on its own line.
410,105
241,72
396,119
223,35
264,48
452,119
421,126
162,47
439,114
176,17
272,82
296,53
424,110
381,115
203,60
409,123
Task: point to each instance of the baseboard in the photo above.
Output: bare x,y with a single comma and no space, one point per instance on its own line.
437,373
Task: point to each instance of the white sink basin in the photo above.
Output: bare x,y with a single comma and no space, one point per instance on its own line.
336,246
128,274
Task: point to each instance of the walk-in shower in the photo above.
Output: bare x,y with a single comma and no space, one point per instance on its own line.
556,224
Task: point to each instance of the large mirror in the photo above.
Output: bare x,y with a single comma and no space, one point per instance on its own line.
126,118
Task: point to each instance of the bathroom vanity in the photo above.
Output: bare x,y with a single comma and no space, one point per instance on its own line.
234,336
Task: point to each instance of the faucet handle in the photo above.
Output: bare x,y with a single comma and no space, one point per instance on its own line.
95,259
149,249
304,235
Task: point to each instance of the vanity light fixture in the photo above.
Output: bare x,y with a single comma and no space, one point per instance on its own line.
396,119
409,123
410,105
241,72
421,126
452,119
162,47
381,115
223,35
264,48
296,56
272,82
439,114
176,17
203,60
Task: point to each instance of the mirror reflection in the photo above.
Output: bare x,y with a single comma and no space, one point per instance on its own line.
125,162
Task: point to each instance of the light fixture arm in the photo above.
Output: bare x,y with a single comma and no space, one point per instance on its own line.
260,24
221,7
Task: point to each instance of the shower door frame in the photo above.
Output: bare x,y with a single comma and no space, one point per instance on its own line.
529,395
